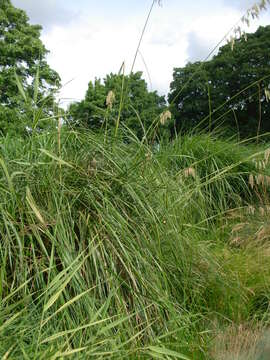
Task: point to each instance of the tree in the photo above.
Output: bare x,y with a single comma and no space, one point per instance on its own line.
129,94
22,52
232,88
189,105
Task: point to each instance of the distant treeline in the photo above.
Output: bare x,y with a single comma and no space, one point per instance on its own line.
230,91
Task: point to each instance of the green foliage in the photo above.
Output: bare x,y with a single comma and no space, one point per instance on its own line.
22,53
130,102
228,89
114,250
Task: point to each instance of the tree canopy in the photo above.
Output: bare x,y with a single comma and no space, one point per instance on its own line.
232,88
127,95
21,52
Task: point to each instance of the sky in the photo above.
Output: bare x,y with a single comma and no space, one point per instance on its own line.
92,38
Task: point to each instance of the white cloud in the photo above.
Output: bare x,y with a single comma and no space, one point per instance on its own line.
47,12
96,43
213,29
93,47
207,32
198,48
86,50
240,4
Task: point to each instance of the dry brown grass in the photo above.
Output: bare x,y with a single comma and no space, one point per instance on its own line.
252,228
242,342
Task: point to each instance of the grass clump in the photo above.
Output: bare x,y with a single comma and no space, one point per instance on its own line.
122,250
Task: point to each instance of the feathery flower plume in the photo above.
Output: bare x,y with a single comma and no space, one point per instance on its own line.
93,163
260,179
266,155
166,115
148,156
251,210
238,227
267,180
110,99
252,13
190,172
267,94
92,167
251,181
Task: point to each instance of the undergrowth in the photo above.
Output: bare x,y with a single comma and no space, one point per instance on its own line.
126,250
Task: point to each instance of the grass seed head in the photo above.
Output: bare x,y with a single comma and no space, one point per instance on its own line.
251,181
236,240
238,227
190,172
260,179
267,180
251,210
267,94
260,164
110,99
266,155
166,115
148,156
93,163
92,167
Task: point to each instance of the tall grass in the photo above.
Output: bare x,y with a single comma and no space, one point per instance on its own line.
114,250
126,250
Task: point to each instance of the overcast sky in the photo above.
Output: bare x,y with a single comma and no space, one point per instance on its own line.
91,38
